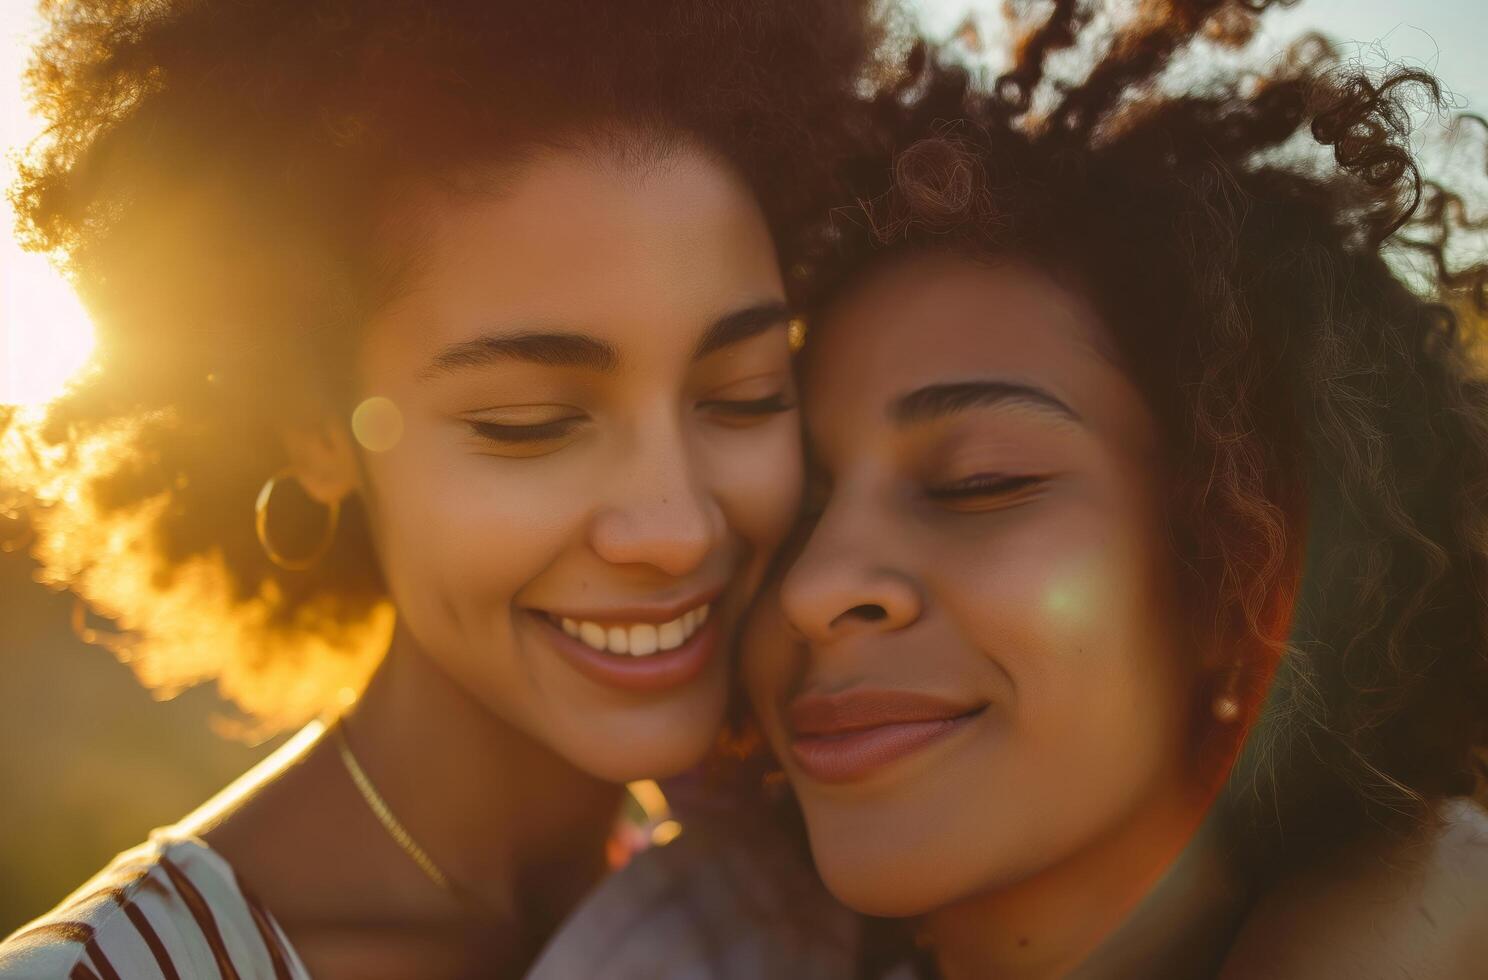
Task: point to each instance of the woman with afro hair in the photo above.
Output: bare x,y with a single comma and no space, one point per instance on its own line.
446,382
1140,628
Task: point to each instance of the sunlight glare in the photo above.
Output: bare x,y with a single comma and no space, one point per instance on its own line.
45,336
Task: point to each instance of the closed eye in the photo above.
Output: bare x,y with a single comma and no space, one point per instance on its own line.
502,432
985,486
751,408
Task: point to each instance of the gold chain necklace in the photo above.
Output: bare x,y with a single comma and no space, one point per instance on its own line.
399,833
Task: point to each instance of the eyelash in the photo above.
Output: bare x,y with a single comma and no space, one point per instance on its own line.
984,485
497,432
769,405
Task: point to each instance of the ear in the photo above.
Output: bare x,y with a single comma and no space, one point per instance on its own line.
323,460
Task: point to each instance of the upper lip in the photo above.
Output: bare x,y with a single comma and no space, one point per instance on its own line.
859,709
638,612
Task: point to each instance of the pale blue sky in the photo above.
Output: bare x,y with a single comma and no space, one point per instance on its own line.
1448,36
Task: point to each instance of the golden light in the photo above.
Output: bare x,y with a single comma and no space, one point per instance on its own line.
649,797
377,424
666,832
46,338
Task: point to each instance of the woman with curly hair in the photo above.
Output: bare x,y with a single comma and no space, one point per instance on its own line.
1137,447
445,343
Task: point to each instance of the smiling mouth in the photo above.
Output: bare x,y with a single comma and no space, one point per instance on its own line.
640,653
847,737
634,639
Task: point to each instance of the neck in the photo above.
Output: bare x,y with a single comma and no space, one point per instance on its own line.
1153,899
499,813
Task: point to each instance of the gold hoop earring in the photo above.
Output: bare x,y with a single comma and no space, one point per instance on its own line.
261,528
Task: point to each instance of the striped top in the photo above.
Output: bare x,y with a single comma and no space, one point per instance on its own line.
170,908
700,908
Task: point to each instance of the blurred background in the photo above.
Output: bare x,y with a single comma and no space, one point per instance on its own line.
89,762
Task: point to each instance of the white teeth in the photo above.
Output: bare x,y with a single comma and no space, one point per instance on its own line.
643,639
593,634
637,639
669,635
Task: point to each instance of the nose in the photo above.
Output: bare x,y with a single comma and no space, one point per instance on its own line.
660,512
841,585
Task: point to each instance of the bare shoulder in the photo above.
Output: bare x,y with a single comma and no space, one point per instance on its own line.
1410,910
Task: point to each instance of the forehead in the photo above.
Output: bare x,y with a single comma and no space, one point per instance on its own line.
937,319
601,242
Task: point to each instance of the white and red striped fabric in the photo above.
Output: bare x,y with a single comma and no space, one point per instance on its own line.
170,909
700,908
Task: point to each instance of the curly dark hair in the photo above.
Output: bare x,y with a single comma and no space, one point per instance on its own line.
1325,416
217,177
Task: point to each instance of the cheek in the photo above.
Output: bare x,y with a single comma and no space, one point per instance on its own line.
757,482
770,656
458,529
1077,610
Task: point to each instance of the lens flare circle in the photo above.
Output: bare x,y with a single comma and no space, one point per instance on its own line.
377,424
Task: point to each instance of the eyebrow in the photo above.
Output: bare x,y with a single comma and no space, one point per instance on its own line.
548,349
740,325
558,349
937,401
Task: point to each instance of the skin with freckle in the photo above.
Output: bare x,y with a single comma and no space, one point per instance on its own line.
484,304
531,446
1136,627
658,491
1051,605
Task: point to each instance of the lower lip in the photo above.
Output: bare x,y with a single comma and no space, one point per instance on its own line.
856,755
658,671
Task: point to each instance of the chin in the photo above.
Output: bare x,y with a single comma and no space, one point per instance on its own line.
634,763
857,882
877,878
653,745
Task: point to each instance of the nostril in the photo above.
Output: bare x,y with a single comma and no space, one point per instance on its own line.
870,612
